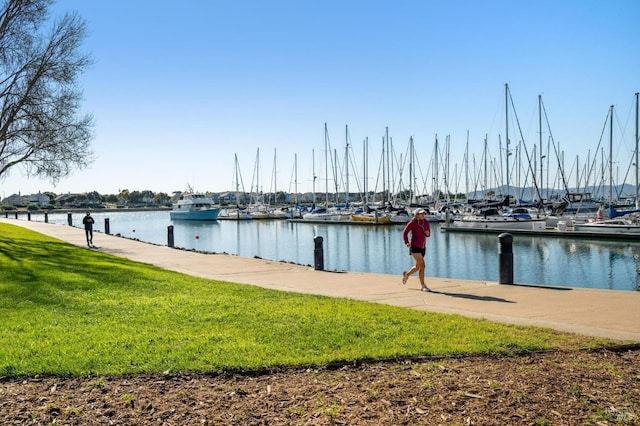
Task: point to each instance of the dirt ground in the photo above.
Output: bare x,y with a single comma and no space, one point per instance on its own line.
599,387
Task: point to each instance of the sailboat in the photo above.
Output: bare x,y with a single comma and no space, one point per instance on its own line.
501,216
325,213
617,221
236,213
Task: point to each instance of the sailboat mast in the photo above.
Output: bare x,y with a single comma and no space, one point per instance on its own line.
275,177
466,168
486,171
506,134
336,183
540,135
611,158
237,181
435,172
295,168
346,163
411,172
637,201
385,142
326,165
313,161
365,169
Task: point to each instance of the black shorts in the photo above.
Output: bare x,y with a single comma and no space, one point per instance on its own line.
421,250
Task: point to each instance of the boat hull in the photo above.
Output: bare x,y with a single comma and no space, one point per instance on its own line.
506,223
206,214
371,218
600,228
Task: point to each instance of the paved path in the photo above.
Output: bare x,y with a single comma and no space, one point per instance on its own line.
603,313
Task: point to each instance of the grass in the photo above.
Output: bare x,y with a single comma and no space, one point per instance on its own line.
67,310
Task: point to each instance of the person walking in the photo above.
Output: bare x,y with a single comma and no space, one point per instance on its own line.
420,230
88,222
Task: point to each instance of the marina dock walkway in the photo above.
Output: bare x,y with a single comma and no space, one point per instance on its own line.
604,313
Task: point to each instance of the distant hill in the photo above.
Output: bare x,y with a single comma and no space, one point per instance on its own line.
529,193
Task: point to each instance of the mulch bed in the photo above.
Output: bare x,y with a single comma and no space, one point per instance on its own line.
600,387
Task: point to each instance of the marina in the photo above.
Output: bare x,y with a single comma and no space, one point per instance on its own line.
552,258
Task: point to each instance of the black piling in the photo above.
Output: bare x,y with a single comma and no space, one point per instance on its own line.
318,254
107,229
505,258
170,236
69,219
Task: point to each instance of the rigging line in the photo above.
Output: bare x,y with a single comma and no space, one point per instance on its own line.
555,148
423,175
624,144
380,166
592,166
476,176
533,175
622,131
354,169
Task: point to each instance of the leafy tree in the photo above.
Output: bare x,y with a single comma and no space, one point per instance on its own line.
136,197
161,198
124,195
94,196
146,196
40,128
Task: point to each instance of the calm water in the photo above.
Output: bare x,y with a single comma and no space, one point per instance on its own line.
537,260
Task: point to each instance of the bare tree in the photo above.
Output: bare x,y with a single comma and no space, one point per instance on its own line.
41,129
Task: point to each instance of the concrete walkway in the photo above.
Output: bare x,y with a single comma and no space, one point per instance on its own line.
602,313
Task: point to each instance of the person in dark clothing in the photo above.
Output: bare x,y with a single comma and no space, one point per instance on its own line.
88,222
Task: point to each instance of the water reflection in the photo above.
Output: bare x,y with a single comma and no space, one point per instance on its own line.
537,260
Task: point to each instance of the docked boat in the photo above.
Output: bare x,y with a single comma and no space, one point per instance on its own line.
400,216
574,203
619,225
286,212
374,216
322,214
194,206
492,218
235,214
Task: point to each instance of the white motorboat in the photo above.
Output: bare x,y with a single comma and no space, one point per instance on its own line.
194,206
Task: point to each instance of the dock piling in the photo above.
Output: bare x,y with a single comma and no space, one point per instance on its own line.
170,235
505,258
318,254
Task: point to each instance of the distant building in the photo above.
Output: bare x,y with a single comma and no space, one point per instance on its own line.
71,200
16,200
40,199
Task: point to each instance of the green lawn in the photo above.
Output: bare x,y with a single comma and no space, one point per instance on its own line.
66,310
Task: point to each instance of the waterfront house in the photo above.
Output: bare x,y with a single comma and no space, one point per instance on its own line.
39,199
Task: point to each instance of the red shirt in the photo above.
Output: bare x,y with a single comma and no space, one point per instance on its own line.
418,229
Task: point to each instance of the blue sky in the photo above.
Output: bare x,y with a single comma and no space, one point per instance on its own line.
178,89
